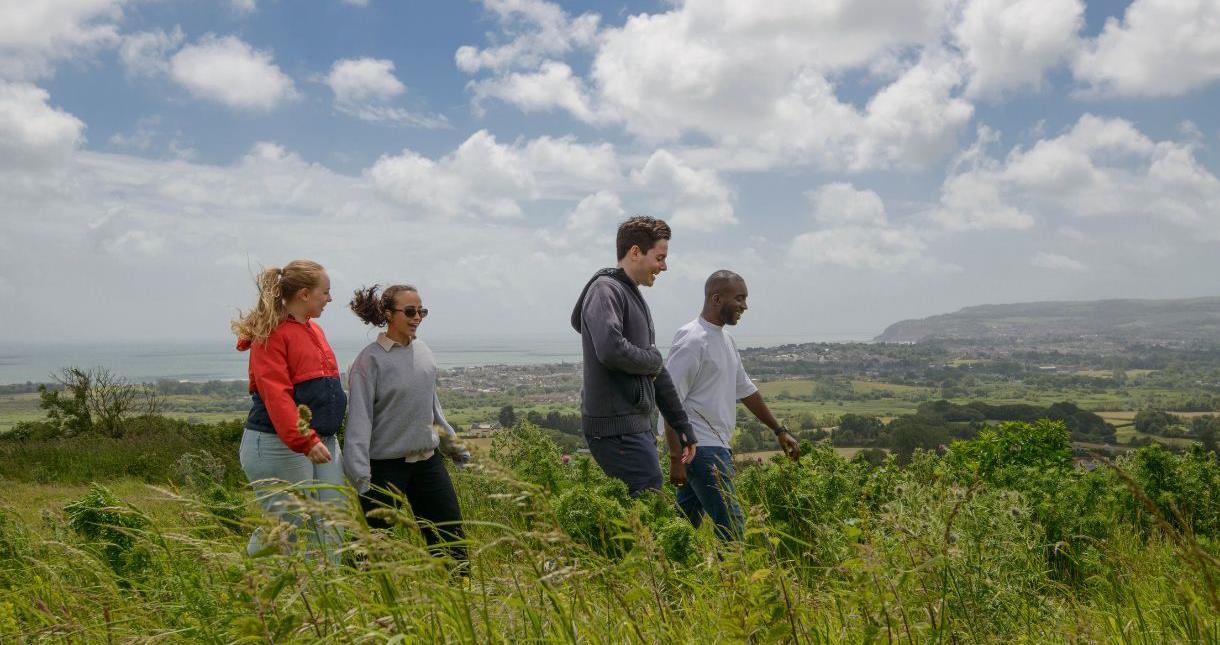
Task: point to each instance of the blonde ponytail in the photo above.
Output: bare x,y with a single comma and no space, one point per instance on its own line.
275,286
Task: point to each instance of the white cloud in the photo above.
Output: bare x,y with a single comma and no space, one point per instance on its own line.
564,167
1055,261
857,247
1100,167
842,204
243,6
1159,48
754,80
365,88
971,201
695,199
915,120
147,53
141,138
1010,44
231,72
485,177
856,232
37,34
33,134
537,31
358,80
594,215
553,86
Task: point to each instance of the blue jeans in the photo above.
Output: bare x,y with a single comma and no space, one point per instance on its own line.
276,473
709,489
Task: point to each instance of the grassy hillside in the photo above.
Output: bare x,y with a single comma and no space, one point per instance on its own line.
1196,319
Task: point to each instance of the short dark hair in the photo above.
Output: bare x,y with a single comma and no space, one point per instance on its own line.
640,231
718,281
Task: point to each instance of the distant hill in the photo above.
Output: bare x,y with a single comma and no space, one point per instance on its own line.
1195,319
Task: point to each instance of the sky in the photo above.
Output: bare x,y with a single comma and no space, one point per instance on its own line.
857,161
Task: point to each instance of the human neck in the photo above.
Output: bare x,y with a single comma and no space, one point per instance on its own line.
626,269
297,314
400,338
712,317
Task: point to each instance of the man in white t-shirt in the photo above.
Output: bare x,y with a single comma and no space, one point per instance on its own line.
710,380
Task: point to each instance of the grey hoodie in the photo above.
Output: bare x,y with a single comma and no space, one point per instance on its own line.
620,358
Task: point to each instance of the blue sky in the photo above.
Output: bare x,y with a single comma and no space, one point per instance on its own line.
859,162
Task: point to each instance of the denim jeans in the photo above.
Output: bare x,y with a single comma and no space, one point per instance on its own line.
428,489
709,489
631,458
277,473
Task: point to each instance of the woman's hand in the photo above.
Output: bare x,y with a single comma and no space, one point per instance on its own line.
319,454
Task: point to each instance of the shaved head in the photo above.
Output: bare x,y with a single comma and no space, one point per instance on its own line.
719,281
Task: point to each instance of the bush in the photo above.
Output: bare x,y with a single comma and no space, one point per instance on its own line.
1011,446
1185,488
148,450
678,540
594,520
110,527
533,457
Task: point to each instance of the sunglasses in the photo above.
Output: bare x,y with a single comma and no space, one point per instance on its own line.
410,312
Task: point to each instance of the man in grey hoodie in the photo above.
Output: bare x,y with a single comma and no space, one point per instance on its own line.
625,381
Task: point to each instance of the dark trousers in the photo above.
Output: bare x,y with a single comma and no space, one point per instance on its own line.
429,491
629,457
709,489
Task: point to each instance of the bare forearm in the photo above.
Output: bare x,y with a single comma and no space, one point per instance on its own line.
755,404
672,442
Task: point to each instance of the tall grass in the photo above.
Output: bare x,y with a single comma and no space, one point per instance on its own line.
836,551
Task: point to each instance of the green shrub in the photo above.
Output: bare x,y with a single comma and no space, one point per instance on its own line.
533,457
806,501
1012,446
678,540
1184,487
110,527
593,519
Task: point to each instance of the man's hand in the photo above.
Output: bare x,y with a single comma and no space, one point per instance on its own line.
688,453
677,472
789,445
319,454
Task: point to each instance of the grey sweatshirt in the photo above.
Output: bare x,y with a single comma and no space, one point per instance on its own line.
625,380
391,408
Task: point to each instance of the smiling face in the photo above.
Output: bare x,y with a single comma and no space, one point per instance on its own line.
311,301
399,324
732,301
643,267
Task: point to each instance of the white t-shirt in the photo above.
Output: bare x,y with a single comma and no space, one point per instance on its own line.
710,380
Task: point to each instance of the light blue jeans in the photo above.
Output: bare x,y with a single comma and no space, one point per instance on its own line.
277,474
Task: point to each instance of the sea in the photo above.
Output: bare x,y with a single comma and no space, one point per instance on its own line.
218,360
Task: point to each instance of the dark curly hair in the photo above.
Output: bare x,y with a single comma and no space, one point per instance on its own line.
371,307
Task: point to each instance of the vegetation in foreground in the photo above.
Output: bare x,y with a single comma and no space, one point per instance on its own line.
1000,538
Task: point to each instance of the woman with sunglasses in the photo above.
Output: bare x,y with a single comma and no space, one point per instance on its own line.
389,444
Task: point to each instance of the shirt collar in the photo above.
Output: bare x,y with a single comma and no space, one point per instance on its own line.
386,342
709,325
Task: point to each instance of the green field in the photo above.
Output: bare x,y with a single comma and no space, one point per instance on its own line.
835,552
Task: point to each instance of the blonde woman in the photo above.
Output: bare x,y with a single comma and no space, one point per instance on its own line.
291,364
389,443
